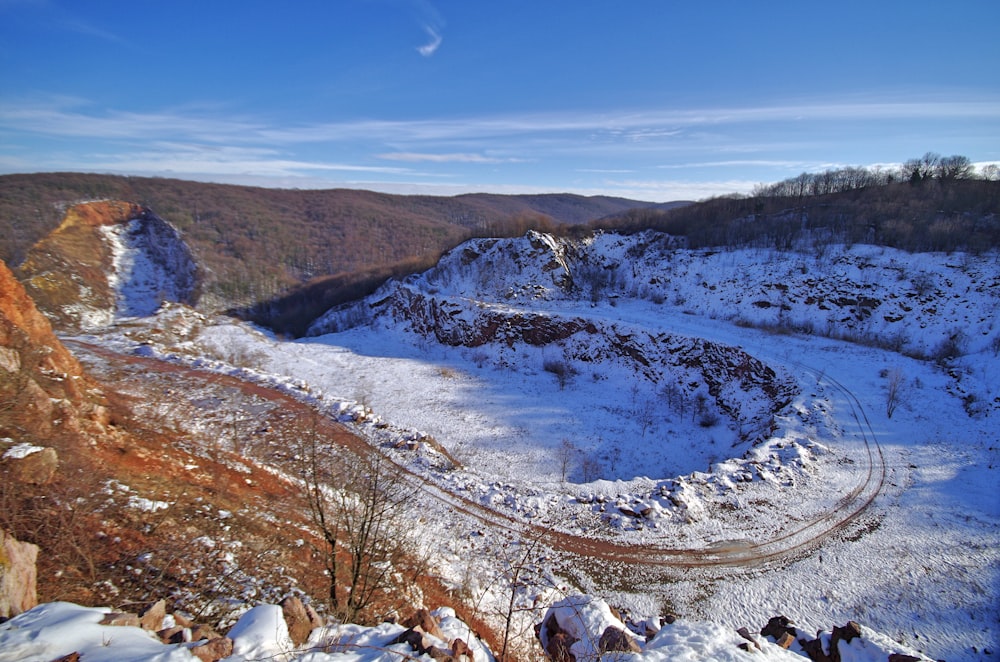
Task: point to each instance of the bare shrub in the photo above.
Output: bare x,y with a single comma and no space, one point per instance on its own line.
894,386
563,371
565,454
950,348
357,504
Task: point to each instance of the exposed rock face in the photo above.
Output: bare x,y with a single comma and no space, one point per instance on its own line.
614,640
106,259
473,298
151,618
731,376
42,386
17,575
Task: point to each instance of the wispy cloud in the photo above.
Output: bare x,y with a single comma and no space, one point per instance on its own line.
761,163
75,118
430,47
418,157
215,142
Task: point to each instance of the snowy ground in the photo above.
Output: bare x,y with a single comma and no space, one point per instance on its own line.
922,564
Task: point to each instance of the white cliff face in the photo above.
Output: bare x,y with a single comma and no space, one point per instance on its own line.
150,265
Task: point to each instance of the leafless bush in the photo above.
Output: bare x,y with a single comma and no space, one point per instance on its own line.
565,454
894,386
357,504
950,348
563,371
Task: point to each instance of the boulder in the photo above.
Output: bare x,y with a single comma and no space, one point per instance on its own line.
213,649
151,618
743,632
899,657
199,632
846,633
814,649
423,621
120,619
300,618
439,654
559,646
460,649
415,640
778,626
614,640
785,640
18,575
175,635
36,468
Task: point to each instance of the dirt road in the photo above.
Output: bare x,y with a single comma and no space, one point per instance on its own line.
791,542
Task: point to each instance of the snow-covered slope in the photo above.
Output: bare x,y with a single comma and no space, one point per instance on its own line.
150,265
927,304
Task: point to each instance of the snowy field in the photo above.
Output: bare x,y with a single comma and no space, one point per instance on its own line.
921,564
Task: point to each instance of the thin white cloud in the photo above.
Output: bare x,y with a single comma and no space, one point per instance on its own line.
67,118
166,157
419,157
666,190
736,163
430,47
628,126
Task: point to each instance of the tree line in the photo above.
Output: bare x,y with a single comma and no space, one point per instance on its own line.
928,204
928,167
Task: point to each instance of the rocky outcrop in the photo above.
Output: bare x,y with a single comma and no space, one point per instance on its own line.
103,260
43,388
17,575
741,386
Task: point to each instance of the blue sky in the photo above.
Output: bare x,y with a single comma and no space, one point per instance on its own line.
655,100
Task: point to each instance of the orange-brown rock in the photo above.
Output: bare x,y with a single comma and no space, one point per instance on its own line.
42,386
67,271
18,576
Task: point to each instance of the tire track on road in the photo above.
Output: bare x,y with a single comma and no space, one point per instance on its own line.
738,554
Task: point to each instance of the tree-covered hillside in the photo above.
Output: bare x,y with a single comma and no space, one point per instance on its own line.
258,243
928,204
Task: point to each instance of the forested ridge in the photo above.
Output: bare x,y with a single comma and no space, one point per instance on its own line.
928,204
259,244
283,257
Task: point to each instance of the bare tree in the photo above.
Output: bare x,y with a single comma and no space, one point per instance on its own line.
565,454
357,504
590,468
893,389
954,167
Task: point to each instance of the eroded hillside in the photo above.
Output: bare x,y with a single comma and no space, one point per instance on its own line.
107,260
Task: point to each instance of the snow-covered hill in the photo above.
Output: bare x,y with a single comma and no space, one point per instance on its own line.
928,304
150,264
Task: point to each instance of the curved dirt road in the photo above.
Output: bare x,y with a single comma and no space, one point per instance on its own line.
790,542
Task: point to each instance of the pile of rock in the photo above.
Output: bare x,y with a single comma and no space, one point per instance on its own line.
422,629
825,647
209,645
